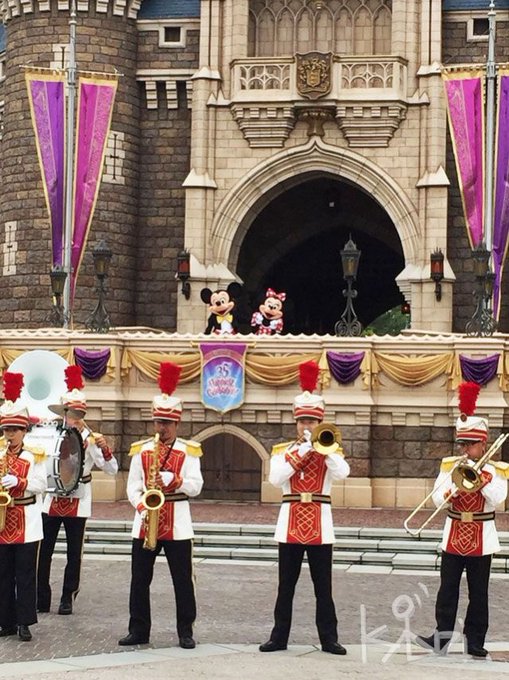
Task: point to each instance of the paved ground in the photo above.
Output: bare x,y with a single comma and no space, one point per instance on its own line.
235,604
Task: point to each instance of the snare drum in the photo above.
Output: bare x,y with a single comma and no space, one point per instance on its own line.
65,455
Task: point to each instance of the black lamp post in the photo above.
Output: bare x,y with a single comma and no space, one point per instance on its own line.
57,277
482,323
184,272
349,323
437,271
99,320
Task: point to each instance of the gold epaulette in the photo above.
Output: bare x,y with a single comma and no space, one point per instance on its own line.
501,467
280,448
37,452
193,448
136,447
448,463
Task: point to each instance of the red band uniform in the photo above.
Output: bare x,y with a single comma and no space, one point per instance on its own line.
72,511
24,479
179,477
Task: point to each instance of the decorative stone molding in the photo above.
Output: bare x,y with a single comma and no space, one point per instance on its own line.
169,77
265,126
369,125
315,117
121,8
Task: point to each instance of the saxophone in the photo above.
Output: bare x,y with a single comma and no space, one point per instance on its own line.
5,496
152,499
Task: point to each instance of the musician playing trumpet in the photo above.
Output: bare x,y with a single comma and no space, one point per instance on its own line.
305,470
168,468
470,536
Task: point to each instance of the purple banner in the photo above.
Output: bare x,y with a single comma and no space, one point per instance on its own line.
93,363
47,106
222,375
480,371
501,217
95,109
345,367
464,94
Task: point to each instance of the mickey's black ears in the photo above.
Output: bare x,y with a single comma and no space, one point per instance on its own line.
205,295
234,289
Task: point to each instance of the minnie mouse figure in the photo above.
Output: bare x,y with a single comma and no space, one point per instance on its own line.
268,320
221,304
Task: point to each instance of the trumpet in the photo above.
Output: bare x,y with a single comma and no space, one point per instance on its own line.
326,439
465,476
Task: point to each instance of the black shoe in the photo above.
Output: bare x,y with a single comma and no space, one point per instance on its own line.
4,632
333,648
133,639
187,642
271,646
24,633
65,607
477,651
433,643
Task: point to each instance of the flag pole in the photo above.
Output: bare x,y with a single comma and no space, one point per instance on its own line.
71,105
491,79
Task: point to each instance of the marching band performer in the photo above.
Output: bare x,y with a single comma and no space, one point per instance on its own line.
164,472
72,511
305,519
22,479
470,536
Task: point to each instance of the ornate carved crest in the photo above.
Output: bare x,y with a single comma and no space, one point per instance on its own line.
314,74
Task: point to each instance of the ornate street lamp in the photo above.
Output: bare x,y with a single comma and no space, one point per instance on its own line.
349,323
184,272
437,271
482,323
57,277
99,320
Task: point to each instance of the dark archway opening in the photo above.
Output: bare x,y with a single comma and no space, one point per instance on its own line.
294,245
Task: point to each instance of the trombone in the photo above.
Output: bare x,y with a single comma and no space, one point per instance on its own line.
465,476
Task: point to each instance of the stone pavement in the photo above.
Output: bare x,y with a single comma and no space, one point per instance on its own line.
235,603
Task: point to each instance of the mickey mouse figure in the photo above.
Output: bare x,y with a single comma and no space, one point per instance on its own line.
221,304
268,320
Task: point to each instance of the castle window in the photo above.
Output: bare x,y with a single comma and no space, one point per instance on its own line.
172,34
478,30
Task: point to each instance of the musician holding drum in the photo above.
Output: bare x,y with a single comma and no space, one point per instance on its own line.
164,472
22,480
73,509
471,487
305,470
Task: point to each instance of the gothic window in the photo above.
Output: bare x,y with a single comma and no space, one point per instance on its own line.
284,27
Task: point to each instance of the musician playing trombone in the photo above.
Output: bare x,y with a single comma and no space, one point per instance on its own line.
470,536
305,475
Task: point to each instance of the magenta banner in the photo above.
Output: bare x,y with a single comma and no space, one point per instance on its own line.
464,93
47,106
95,109
501,216
222,375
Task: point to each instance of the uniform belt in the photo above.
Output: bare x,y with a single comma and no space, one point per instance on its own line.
471,516
305,497
29,500
173,497
86,479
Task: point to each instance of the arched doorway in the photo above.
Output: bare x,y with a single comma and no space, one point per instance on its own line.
231,469
294,245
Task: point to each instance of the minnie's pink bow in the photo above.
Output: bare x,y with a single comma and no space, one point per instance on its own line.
273,294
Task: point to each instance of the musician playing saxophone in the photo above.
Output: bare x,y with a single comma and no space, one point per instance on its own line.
171,467
470,536
22,480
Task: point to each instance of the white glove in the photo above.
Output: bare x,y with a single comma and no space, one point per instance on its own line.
167,477
304,448
142,514
9,481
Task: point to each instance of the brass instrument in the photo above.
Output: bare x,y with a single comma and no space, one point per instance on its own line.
326,439
152,499
5,496
465,476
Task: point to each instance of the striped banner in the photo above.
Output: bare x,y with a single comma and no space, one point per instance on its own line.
501,212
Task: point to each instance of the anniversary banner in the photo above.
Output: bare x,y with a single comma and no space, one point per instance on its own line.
222,375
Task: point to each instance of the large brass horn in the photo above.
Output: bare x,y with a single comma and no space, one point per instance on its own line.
44,380
326,439
464,476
